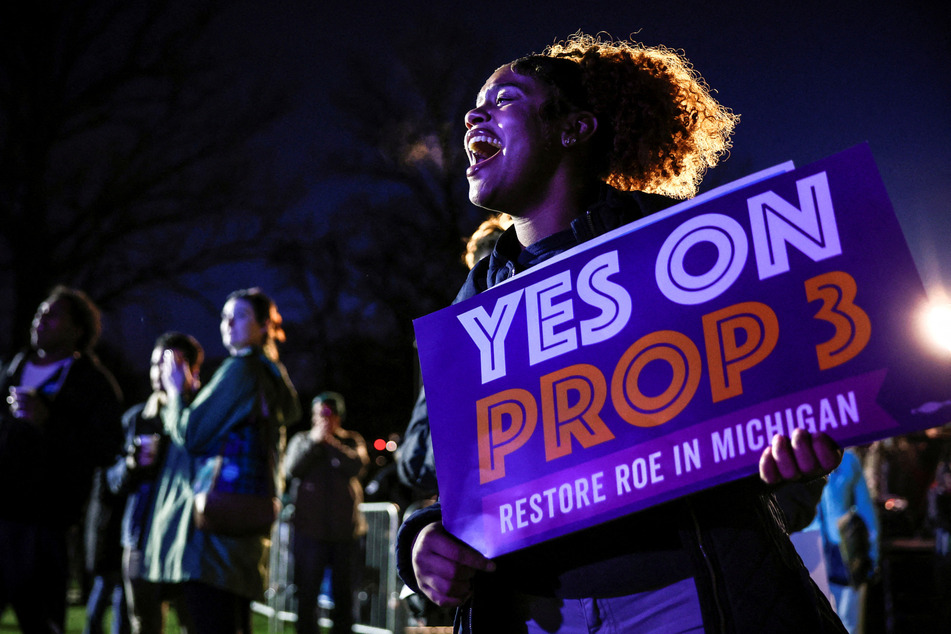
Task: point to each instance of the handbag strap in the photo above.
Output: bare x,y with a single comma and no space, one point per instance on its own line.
261,415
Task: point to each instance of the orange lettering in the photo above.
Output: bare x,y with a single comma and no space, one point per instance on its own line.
726,356
496,439
853,328
668,346
563,421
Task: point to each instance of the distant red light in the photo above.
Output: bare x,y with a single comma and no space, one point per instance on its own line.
379,444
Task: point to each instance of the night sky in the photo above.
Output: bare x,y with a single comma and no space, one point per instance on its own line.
808,79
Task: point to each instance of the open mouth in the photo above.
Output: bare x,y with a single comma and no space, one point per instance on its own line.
483,147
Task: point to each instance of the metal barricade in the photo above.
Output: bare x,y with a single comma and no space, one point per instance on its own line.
280,595
378,599
376,592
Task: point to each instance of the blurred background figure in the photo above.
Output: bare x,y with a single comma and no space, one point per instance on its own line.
939,518
103,554
61,421
899,471
134,474
847,492
414,462
324,466
243,407
483,239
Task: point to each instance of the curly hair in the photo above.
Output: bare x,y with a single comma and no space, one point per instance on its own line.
659,127
483,239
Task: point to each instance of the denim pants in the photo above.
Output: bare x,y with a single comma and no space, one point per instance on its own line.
311,558
674,609
106,591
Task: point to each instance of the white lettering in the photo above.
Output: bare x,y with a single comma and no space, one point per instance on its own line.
804,417
597,487
534,502
532,509
622,477
544,315
826,416
505,517
520,513
644,470
847,408
759,433
684,287
811,229
613,300
755,439
723,448
489,332
566,501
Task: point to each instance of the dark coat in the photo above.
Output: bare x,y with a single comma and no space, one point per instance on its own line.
47,472
325,485
137,485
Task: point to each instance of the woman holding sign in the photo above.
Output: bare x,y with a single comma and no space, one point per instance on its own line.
573,143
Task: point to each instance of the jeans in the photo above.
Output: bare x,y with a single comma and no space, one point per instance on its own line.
311,558
849,605
106,589
674,609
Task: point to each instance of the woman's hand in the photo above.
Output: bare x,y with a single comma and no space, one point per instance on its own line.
176,374
445,566
805,457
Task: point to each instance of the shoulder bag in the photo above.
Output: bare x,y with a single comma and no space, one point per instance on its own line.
240,500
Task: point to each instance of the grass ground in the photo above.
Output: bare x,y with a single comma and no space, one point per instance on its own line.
76,621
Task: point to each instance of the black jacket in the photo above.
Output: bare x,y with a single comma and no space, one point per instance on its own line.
46,473
325,485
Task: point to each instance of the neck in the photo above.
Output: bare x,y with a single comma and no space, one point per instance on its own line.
554,213
46,357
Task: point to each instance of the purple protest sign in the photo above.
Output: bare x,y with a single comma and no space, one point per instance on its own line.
659,359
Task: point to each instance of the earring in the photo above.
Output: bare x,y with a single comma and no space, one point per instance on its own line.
568,141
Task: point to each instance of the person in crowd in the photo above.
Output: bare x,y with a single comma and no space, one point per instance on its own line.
61,421
845,490
584,138
415,465
244,405
324,465
134,474
483,239
939,520
898,471
103,554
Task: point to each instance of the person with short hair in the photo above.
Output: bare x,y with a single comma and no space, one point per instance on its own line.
483,239
61,422
324,465
415,466
134,474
